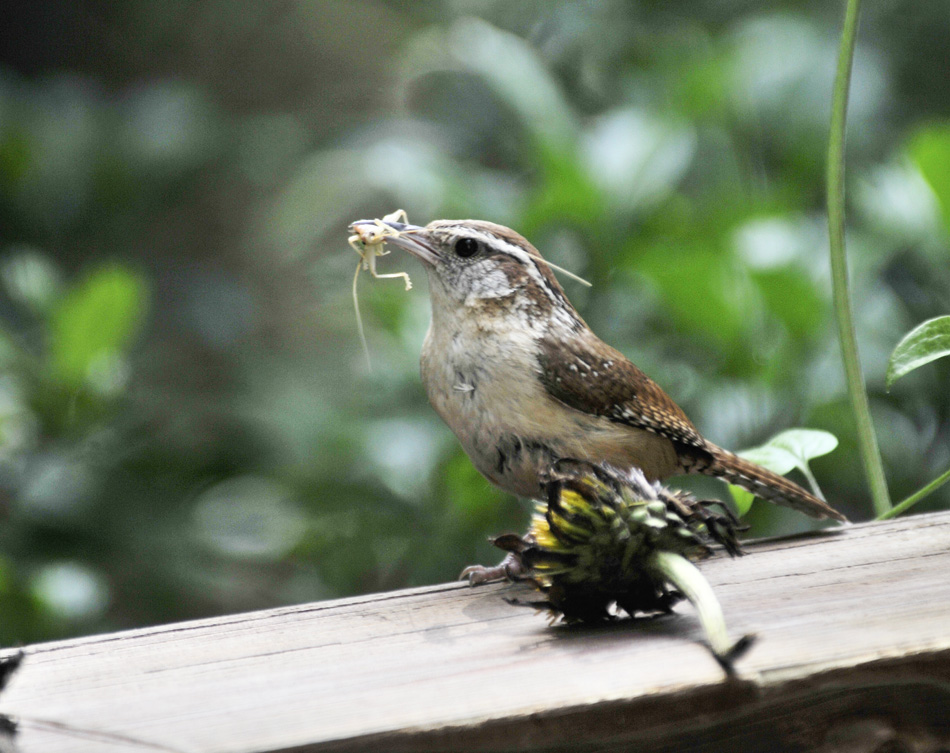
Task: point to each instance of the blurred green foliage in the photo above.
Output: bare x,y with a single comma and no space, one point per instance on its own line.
186,426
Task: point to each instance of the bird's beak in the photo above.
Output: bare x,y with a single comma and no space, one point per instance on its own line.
411,238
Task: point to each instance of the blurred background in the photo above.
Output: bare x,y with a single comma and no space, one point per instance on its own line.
187,424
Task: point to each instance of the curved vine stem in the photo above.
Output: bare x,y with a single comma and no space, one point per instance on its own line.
867,441
914,498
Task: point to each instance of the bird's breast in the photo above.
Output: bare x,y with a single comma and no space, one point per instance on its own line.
485,386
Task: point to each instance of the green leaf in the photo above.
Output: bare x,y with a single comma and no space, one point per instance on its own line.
930,150
743,500
804,445
776,459
925,343
96,319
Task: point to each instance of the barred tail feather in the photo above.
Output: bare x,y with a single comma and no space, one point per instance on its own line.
765,484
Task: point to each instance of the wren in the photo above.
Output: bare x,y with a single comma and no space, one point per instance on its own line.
523,381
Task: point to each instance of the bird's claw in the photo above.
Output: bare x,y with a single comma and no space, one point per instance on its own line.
510,568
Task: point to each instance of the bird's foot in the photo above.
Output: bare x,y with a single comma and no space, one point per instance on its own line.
510,568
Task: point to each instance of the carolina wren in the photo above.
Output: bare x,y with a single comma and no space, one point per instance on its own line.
521,379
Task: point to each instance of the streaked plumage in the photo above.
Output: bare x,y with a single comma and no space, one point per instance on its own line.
522,380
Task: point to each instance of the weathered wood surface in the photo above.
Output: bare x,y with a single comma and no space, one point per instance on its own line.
853,655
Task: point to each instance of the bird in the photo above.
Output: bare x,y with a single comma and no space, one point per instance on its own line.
523,381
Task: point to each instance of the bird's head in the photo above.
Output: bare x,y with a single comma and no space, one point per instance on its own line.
480,264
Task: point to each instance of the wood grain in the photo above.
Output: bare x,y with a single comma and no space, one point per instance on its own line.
853,648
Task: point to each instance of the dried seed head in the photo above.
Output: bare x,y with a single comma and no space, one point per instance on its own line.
607,540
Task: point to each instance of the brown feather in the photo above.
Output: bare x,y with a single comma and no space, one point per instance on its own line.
586,374
766,484
580,371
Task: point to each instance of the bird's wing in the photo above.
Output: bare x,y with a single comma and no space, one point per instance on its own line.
589,376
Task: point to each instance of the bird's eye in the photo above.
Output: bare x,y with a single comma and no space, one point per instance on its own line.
466,247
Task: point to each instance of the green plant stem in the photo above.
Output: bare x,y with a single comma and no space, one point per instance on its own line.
686,577
914,498
867,441
812,481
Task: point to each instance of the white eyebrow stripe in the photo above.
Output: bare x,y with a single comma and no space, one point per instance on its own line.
529,261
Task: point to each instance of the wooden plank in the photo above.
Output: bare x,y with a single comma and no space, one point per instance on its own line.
854,645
